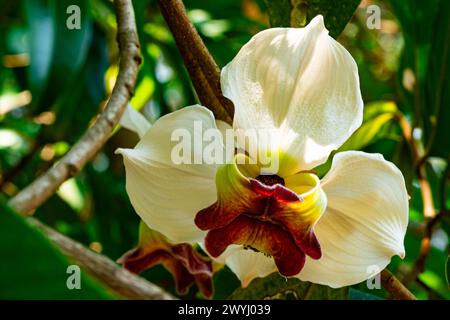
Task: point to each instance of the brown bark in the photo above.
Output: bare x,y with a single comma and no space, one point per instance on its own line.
202,68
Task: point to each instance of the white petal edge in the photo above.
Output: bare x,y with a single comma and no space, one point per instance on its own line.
133,120
227,134
247,264
302,85
167,196
365,222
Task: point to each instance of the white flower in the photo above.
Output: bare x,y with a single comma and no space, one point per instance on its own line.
303,86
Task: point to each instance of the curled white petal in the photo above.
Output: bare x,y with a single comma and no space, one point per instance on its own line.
365,222
168,195
302,85
133,120
247,264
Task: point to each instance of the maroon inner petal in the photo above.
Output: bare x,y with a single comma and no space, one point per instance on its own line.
265,237
137,261
300,230
222,212
192,260
278,191
182,261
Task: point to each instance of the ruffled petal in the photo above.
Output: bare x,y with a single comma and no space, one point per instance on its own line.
165,191
258,236
365,222
184,263
299,89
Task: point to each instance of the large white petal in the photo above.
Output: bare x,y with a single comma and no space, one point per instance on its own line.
300,83
133,120
247,264
365,222
166,195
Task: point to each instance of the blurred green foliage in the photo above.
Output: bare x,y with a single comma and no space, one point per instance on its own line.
53,81
298,13
32,268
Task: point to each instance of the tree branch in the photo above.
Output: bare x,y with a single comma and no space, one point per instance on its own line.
203,70
85,149
395,288
116,278
121,281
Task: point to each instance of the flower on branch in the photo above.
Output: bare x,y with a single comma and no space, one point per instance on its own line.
262,208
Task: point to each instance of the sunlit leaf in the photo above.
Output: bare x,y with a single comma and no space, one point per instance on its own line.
376,116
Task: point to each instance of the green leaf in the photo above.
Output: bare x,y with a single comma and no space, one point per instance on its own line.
56,52
366,133
31,268
71,45
376,116
40,42
426,32
275,286
436,109
279,12
355,294
225,283
298,13
80,99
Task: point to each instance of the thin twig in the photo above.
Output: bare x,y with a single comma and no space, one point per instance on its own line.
429,211
44,187
425,247
121,281
203,70
19,166
419,160
396,289
432,294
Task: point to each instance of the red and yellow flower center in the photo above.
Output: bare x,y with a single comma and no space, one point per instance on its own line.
268,214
